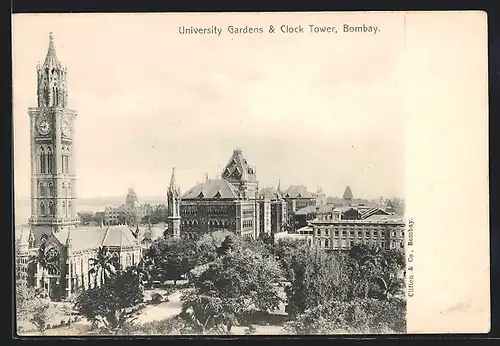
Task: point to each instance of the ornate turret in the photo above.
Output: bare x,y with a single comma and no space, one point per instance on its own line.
239,173
173,206
348,195
52,91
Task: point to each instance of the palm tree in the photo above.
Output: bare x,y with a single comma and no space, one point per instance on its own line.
103,265
47,258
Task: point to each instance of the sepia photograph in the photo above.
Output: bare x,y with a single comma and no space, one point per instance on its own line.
222,174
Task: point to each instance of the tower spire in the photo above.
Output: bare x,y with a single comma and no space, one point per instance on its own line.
51,58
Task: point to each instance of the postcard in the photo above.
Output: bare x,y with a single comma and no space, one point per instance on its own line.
251,173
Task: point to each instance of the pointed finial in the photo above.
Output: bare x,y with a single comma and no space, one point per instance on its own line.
172,186
206,177
279,185
51,58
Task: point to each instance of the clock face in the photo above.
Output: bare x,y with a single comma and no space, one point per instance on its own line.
44,127
65,127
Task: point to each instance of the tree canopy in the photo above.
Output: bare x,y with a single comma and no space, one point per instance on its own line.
231,285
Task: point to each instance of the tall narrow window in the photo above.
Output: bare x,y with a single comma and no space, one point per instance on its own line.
51,189
51,208
41,210
65,208
43,166
49,161
63,162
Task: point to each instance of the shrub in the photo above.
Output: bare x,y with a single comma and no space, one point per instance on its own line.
156,298
356,316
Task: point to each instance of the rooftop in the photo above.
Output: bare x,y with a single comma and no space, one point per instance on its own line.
212,189
297,191
83,238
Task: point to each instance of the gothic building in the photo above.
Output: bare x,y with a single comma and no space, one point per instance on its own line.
273,211
56,253
230,203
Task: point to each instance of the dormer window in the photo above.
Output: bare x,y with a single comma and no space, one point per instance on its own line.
217,195
201,195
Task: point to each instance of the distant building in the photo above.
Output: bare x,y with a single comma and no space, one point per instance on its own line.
333,233
320,196
296,198
348,196
273,215
130,213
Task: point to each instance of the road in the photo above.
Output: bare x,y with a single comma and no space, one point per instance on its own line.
163,310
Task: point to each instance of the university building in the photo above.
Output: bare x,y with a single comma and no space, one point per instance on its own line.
54,224
232,203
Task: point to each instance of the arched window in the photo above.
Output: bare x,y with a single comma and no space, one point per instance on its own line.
51,189
69,207
51,208
66,157
43,166
64,207
56,96
41,210
50,160
41,190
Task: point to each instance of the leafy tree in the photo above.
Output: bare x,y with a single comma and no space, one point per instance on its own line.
111,303
207,245
86,217
353,317
103,265
28,300
315,278
47,258
39,316
170,258
379,269
230,286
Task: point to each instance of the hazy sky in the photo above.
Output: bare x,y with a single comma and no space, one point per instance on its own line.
318,110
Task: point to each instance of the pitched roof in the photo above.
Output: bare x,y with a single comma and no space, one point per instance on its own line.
319,209
238,168
269,193
297,191
373,211
212,189
91,237
51,58
348,193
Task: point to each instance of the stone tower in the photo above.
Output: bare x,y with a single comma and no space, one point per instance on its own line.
53,193
174,207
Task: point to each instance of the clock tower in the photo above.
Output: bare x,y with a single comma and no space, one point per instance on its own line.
53,193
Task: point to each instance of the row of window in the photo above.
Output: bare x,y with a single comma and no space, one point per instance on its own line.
343,243
247,223
48,208
359,234
45,163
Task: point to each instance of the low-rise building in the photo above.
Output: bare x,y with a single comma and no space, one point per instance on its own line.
383,231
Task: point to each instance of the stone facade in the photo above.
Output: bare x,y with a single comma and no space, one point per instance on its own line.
54,231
